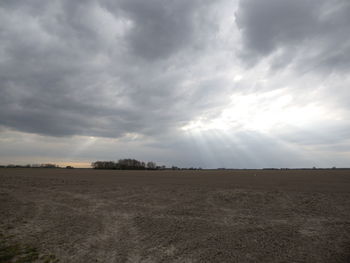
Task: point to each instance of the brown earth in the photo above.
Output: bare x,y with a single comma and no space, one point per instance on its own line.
85,215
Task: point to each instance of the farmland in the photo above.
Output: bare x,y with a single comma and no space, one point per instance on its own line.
85,215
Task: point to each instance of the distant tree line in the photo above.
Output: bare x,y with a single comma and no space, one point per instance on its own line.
132,164
43,165
313,168
126,164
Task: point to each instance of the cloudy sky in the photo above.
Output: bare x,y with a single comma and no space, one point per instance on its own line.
244,84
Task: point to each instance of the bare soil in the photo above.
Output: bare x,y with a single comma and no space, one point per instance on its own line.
85,215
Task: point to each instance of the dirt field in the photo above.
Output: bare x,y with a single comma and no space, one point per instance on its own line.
175,216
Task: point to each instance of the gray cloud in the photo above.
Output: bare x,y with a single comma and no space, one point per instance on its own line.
145,69
74,67
159,28
315,34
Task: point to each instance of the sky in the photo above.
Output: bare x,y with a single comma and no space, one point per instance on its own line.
200,83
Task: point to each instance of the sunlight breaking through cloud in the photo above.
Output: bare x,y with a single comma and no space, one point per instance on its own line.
113,79
263,112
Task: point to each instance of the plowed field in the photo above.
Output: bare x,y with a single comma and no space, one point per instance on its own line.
85,215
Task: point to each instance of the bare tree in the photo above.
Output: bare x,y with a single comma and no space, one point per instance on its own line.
151,165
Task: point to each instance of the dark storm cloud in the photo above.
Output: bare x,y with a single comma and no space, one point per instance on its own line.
160,28
315,33
102,68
